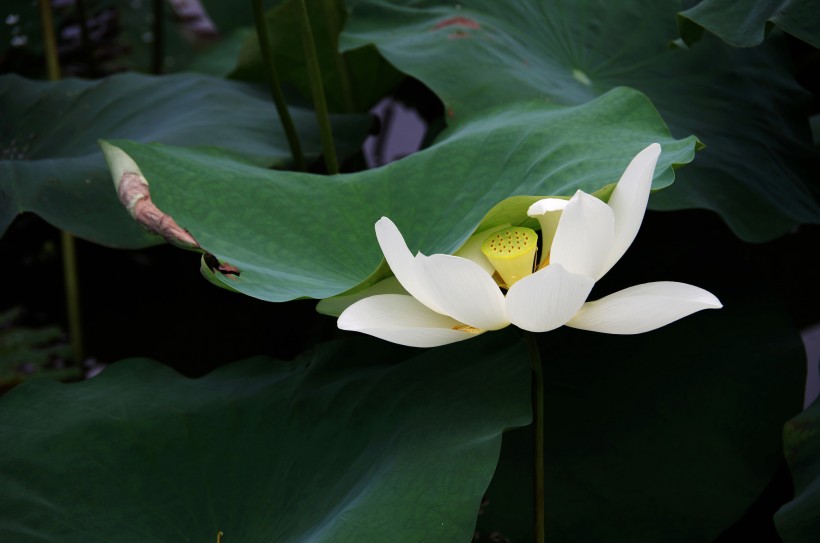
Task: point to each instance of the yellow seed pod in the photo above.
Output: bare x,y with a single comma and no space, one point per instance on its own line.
511,251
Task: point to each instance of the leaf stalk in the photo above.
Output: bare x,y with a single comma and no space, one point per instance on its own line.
49,40
317,89
276,88
67,245
333,25
72,295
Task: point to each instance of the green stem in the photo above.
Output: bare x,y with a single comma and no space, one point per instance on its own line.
317,89
70,275
88,47
275,88
538,525
49,40
334,27
72,295
158,32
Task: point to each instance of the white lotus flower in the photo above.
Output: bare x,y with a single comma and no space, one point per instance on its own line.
448,298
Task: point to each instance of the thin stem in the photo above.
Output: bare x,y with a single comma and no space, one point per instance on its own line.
85,38
158,33
72,295
49,40
538,525
275,88
70,275
334,27
317,89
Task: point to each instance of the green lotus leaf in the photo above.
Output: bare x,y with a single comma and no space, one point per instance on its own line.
745,105
50,162
285,235
355,441
744,24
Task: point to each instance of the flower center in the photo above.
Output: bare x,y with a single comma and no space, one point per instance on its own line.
511,251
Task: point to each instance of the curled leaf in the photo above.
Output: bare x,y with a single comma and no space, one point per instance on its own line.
135,195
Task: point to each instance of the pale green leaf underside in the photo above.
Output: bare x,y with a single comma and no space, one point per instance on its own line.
299,235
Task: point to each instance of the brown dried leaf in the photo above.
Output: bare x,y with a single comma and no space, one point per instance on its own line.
134,194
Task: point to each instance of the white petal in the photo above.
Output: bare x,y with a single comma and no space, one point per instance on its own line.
471,250
335,305
464,291
628,202
402,319
546,205
547,299
548,212
584,236
643,308
404,265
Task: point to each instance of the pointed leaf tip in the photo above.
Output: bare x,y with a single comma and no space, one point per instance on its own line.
134,194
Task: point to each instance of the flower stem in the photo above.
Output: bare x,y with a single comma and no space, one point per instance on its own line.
70,275
275,87
317,89
333,26
49,40
538,524
72,295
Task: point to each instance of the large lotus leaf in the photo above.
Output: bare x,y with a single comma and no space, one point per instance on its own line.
668,436
50,162
356,441
799,520
353,81
743,104
744,24
294,235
